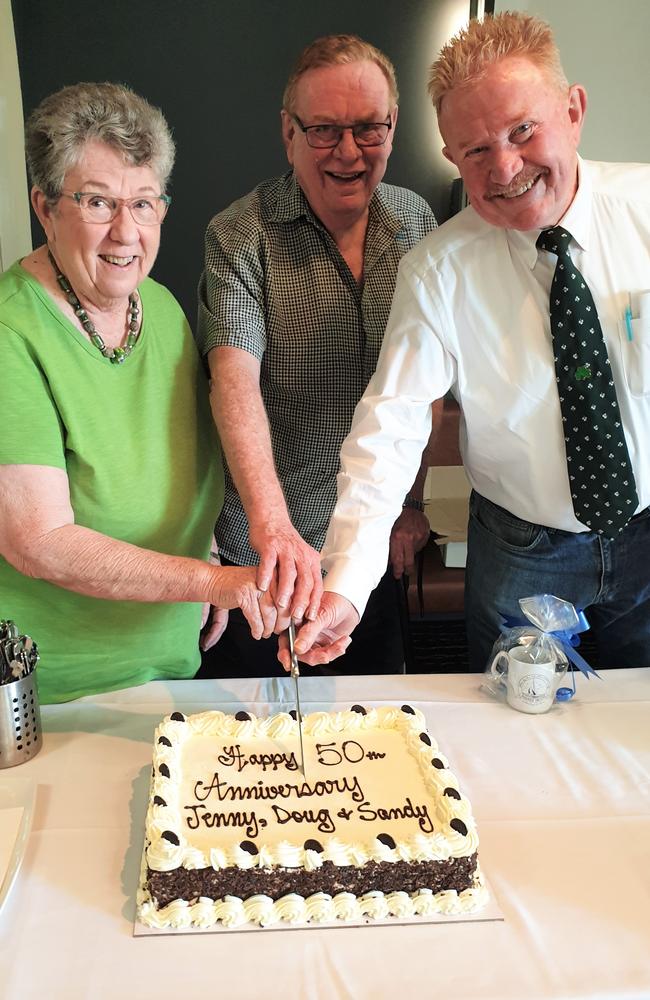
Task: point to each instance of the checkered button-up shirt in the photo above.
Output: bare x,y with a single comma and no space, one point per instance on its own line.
276,285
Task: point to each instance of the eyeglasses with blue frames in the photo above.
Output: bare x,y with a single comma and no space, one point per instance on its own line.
146,210
329,136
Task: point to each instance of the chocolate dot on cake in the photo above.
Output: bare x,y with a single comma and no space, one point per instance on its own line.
385,838
243,717
458,826
165,742
177,717
408,709
159,801
359,709
314,845
249,847
164,770
425,738
438,763
452,793
171,837
293,714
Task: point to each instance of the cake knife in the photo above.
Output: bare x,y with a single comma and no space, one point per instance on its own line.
295,673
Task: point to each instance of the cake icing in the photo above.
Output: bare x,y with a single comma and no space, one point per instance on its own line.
230,813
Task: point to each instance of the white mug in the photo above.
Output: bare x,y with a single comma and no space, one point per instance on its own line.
530,684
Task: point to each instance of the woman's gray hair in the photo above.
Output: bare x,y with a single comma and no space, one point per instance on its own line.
63,123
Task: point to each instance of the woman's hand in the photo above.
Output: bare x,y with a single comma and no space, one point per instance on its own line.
218,620
236,587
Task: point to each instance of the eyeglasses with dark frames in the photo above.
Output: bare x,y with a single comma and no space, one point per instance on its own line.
329,136
146,210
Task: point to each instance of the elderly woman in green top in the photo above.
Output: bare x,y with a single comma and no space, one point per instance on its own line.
110,477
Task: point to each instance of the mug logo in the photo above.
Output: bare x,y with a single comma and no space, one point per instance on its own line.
533,688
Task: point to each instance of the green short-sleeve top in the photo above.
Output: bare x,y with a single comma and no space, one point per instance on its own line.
138,444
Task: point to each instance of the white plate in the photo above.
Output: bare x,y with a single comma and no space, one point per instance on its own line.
16,793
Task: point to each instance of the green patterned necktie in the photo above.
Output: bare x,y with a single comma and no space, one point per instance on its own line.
600,471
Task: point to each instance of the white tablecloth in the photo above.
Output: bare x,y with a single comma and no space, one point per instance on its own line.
562,803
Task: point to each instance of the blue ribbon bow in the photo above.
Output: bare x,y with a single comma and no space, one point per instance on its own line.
567,639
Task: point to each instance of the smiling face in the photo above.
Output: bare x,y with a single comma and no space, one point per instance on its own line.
103,263
513,135
339,183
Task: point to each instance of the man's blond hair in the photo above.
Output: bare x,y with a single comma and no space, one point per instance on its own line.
338,50
467,56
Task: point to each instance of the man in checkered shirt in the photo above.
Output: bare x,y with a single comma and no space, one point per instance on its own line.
293,303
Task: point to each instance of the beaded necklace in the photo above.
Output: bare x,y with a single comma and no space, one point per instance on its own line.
119,354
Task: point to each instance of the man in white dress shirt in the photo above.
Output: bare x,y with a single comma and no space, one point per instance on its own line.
471,315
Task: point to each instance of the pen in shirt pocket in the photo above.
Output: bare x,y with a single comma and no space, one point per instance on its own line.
628,317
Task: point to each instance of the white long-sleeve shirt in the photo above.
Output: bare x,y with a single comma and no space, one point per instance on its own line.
471,314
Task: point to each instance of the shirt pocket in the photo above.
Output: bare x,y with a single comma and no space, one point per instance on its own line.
636,355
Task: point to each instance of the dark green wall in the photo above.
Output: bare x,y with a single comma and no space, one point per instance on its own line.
217,68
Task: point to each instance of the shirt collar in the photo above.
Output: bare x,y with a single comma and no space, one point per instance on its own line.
292,204
576,219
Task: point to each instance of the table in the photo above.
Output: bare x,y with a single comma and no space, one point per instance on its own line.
562,803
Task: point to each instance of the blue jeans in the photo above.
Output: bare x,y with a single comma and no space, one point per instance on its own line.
508,558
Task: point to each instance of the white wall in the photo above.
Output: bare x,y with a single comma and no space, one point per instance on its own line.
604,45
15,235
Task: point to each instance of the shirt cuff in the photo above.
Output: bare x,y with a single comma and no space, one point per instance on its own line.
345,578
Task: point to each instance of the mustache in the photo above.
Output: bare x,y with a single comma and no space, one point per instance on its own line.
518,182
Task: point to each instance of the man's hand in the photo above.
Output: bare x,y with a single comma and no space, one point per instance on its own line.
325,638
218,619
296,565
410,534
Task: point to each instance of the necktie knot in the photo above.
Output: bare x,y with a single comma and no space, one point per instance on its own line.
555,240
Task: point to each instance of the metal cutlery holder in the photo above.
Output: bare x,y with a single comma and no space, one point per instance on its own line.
21,736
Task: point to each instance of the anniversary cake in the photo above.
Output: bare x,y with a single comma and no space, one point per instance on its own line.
235,833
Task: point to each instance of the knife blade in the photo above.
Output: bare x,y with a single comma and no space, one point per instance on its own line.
295,673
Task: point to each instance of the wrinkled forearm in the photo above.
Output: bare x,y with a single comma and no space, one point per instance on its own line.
416,491
87,562
243,426
428,455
